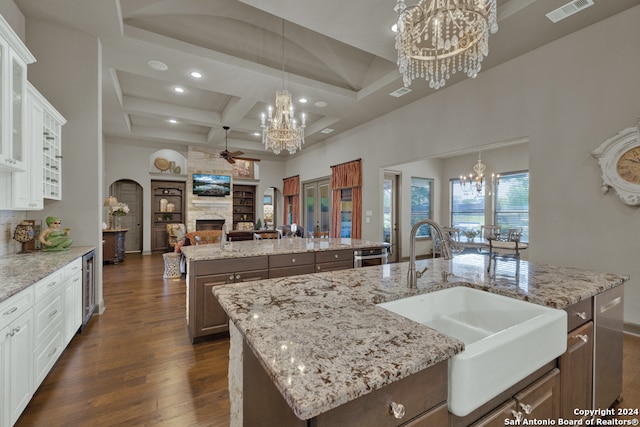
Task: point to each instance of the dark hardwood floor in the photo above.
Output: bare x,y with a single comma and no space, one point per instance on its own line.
134,365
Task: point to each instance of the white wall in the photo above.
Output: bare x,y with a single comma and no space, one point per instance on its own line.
69,74
566,100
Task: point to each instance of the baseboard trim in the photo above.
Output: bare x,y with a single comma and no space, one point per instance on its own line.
632,328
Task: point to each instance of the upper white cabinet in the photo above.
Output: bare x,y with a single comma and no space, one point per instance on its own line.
14,57
50,134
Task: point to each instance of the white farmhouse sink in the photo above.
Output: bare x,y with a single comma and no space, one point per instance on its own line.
505,339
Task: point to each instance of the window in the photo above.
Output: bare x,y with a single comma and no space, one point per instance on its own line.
467,207
512,203
421,203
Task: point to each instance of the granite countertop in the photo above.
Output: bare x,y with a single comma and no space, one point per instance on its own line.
19,271
323,341
249,248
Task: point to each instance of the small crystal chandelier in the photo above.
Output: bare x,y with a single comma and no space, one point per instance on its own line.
280,130
437,38
477,181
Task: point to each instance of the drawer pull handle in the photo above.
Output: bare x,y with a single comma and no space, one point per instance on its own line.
53,313
336,256
582,315
397,410
584,338
12,310
52,352
293,260
318,267
517,415
51,284
526,408
238,277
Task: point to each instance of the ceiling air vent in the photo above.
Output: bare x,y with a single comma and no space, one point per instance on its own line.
400,92
568,9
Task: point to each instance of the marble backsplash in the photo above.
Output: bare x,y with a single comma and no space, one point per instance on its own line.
8,222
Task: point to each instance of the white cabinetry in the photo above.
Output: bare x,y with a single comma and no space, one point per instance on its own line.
49,132
26,187
35,327
72,299
16,355
14,57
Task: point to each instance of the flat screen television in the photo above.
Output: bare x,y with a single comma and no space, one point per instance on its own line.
210,185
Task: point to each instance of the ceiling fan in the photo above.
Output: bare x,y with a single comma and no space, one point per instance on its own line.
232,156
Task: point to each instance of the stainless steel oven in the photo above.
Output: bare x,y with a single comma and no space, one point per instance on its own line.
370,256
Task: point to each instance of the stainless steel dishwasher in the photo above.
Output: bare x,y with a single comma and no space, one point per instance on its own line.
608,338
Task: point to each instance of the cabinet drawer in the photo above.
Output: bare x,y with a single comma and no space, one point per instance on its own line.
73,269
331,266
334,256
289,260
579,313
46,355
418,393
49,284
206,268
13,307
291,271
48,316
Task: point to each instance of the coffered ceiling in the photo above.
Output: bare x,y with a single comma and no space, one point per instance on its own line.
338,54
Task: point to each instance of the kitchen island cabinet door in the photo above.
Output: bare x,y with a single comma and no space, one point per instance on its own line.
541,400
210,316
576,366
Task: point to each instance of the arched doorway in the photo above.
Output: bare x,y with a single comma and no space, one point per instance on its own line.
130,192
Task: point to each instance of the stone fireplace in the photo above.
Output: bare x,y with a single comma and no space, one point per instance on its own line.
207,213
209,224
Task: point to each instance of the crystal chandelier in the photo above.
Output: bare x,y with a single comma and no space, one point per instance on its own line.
437,38
476,182
280,130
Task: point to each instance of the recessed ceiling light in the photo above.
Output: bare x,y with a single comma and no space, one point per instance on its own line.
196,75
178,89
394,28
257,134
320,104
327,130
303,100
173,121
157,65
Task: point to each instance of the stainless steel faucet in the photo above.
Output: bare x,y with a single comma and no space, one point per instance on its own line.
413,275
223,236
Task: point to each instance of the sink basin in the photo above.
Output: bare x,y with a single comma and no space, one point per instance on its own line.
505,339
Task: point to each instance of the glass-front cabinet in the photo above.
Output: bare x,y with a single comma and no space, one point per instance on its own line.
14,57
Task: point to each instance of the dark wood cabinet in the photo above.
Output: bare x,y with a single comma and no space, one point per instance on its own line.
538,401
576,366
334,260
244,205
113,245
167,207
206,315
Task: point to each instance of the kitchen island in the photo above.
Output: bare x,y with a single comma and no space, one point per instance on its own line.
210,266
323,342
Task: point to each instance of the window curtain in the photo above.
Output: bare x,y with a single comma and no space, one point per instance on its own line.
291,193
344,176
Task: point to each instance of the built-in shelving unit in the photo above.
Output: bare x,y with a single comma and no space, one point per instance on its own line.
244,205
167,207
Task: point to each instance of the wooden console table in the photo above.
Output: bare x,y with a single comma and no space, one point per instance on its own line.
113,245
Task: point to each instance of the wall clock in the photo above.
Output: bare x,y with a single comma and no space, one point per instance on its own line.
619,158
